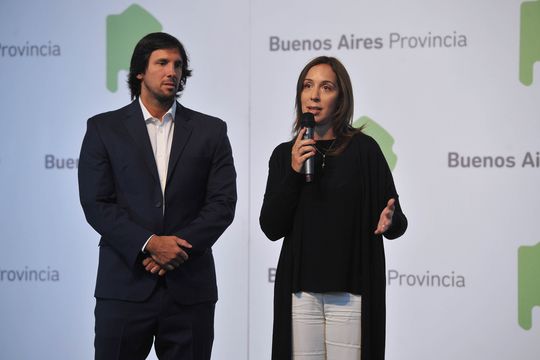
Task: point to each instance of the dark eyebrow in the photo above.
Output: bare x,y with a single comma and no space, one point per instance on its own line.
180,61
324,82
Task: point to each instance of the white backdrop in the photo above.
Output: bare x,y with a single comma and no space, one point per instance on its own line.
465,132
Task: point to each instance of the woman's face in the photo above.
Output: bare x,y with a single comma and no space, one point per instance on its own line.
319,93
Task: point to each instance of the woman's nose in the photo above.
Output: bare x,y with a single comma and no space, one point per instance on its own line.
314,94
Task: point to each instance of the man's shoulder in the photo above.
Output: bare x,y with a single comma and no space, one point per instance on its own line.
199,118
106,117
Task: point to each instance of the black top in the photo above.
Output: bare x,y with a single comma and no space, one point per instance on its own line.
329,227
329,258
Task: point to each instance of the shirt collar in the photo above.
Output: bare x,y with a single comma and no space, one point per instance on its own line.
148,117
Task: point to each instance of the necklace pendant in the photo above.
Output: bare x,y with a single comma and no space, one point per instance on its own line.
323,160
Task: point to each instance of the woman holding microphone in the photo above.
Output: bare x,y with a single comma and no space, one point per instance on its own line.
329,296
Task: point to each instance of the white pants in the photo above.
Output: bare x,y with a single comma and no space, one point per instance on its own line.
326,326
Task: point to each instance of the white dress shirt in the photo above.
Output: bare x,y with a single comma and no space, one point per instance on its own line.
161,133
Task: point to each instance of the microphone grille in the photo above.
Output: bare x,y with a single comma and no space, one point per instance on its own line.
307,120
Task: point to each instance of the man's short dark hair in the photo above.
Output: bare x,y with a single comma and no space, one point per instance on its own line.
141,55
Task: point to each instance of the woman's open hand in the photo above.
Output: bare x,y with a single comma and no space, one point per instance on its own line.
385,220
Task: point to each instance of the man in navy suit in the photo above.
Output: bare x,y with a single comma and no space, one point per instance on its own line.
157,182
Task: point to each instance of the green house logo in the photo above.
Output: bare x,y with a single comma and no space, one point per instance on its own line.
383,138
528,283
123,33
529,46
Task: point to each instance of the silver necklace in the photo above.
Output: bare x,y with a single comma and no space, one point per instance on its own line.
323,154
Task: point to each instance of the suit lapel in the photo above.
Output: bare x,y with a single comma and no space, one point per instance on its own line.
134,122
182,133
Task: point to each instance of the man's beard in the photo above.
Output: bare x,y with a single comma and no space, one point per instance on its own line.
165,99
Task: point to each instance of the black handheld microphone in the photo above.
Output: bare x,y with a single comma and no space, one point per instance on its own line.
308,121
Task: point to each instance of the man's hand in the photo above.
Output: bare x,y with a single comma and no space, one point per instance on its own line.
168,251
385,219
151,266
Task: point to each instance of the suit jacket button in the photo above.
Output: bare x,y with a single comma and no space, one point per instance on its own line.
158,204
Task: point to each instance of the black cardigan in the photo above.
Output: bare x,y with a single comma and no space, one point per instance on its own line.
360,185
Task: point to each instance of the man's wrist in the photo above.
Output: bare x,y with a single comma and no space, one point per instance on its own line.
146,243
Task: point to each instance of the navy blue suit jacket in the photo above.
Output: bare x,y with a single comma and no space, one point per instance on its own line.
122,200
